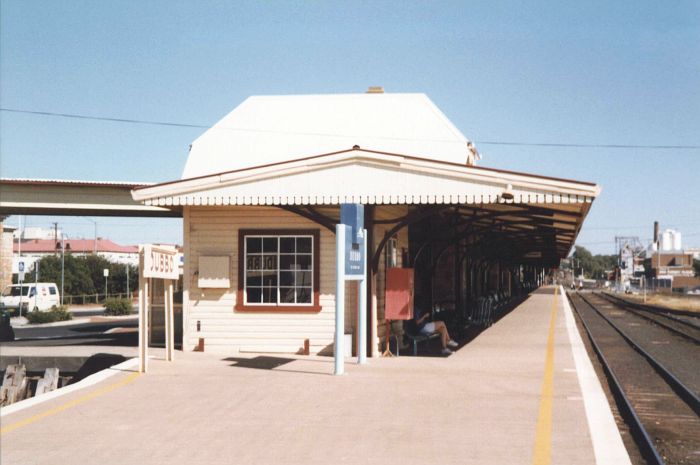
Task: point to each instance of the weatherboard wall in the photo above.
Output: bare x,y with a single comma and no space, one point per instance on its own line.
210,313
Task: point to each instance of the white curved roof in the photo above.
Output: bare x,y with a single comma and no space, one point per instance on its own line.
274,129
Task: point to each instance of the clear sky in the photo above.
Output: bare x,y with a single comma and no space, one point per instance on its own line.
594,72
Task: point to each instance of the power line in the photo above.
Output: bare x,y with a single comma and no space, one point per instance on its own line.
483,142
104,118
595,146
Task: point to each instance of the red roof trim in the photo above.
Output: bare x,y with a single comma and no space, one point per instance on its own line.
76,246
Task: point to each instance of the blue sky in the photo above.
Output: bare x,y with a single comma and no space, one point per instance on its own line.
571,72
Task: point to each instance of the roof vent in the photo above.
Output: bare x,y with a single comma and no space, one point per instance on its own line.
375,90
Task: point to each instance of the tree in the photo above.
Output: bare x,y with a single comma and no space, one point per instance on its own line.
594,266
85,275
696,266
76,280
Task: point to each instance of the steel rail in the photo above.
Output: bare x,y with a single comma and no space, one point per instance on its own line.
639,432
637,311
685,393
665,312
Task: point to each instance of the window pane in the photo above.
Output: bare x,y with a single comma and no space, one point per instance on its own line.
269,295
303,295
303,278
253,244
286,278
253,278
270,244
303,245
286,262
286,245
270,262
269,278
254,262
304,262
287,295
253,295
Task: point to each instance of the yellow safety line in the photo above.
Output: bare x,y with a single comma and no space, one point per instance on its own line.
67,405
543,439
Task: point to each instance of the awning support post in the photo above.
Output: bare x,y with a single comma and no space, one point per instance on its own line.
339,299
362,311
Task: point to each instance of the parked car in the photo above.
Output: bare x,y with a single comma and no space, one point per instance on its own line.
34,296
694,291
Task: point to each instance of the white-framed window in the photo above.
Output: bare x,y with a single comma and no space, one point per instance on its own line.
278,269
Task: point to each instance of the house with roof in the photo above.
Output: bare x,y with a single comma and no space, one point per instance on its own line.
31,250
260,196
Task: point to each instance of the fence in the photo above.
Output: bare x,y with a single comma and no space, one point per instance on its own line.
94,298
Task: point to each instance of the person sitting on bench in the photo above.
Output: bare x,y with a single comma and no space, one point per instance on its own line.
426,327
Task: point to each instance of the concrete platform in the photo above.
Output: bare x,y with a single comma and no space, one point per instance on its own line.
488,403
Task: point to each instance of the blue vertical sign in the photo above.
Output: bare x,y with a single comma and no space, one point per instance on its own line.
352,216
351,257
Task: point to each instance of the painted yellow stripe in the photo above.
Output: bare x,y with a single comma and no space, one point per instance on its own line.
542,454
67,405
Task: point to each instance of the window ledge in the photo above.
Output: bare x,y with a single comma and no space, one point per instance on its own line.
278,308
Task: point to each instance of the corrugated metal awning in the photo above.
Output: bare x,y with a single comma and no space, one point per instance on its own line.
367,177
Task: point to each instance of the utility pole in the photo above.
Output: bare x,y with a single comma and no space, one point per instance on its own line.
55,234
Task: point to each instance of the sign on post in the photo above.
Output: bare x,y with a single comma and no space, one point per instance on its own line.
353,217
351,261
157,262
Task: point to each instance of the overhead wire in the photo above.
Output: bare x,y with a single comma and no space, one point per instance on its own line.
482,142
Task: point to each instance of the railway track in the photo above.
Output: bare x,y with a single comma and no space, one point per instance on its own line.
654,375
687,324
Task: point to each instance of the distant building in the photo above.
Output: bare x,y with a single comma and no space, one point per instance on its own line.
37,233
34,249
668,264
695,251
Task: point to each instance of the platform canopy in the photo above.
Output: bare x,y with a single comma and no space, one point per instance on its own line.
530,209
365,176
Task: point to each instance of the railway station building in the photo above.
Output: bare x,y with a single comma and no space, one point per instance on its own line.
260,195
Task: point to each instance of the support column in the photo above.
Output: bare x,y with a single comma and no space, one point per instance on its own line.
339,300
169,323
362,310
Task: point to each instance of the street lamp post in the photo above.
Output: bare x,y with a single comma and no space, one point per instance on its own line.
105,272
63,262
62,246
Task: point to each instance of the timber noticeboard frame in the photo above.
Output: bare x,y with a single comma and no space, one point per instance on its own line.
156,262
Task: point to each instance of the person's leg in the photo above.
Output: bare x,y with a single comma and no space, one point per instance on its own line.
442,329
447,341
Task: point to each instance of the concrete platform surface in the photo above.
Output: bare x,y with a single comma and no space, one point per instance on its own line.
482,405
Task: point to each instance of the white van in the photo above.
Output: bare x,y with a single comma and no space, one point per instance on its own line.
34,296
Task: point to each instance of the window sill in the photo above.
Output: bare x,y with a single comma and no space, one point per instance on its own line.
277,308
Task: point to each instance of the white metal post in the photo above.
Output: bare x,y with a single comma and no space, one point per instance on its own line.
142,366
63,259
169,324
362,310
339,299
144,303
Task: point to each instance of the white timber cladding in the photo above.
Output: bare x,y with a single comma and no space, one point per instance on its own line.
214,232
